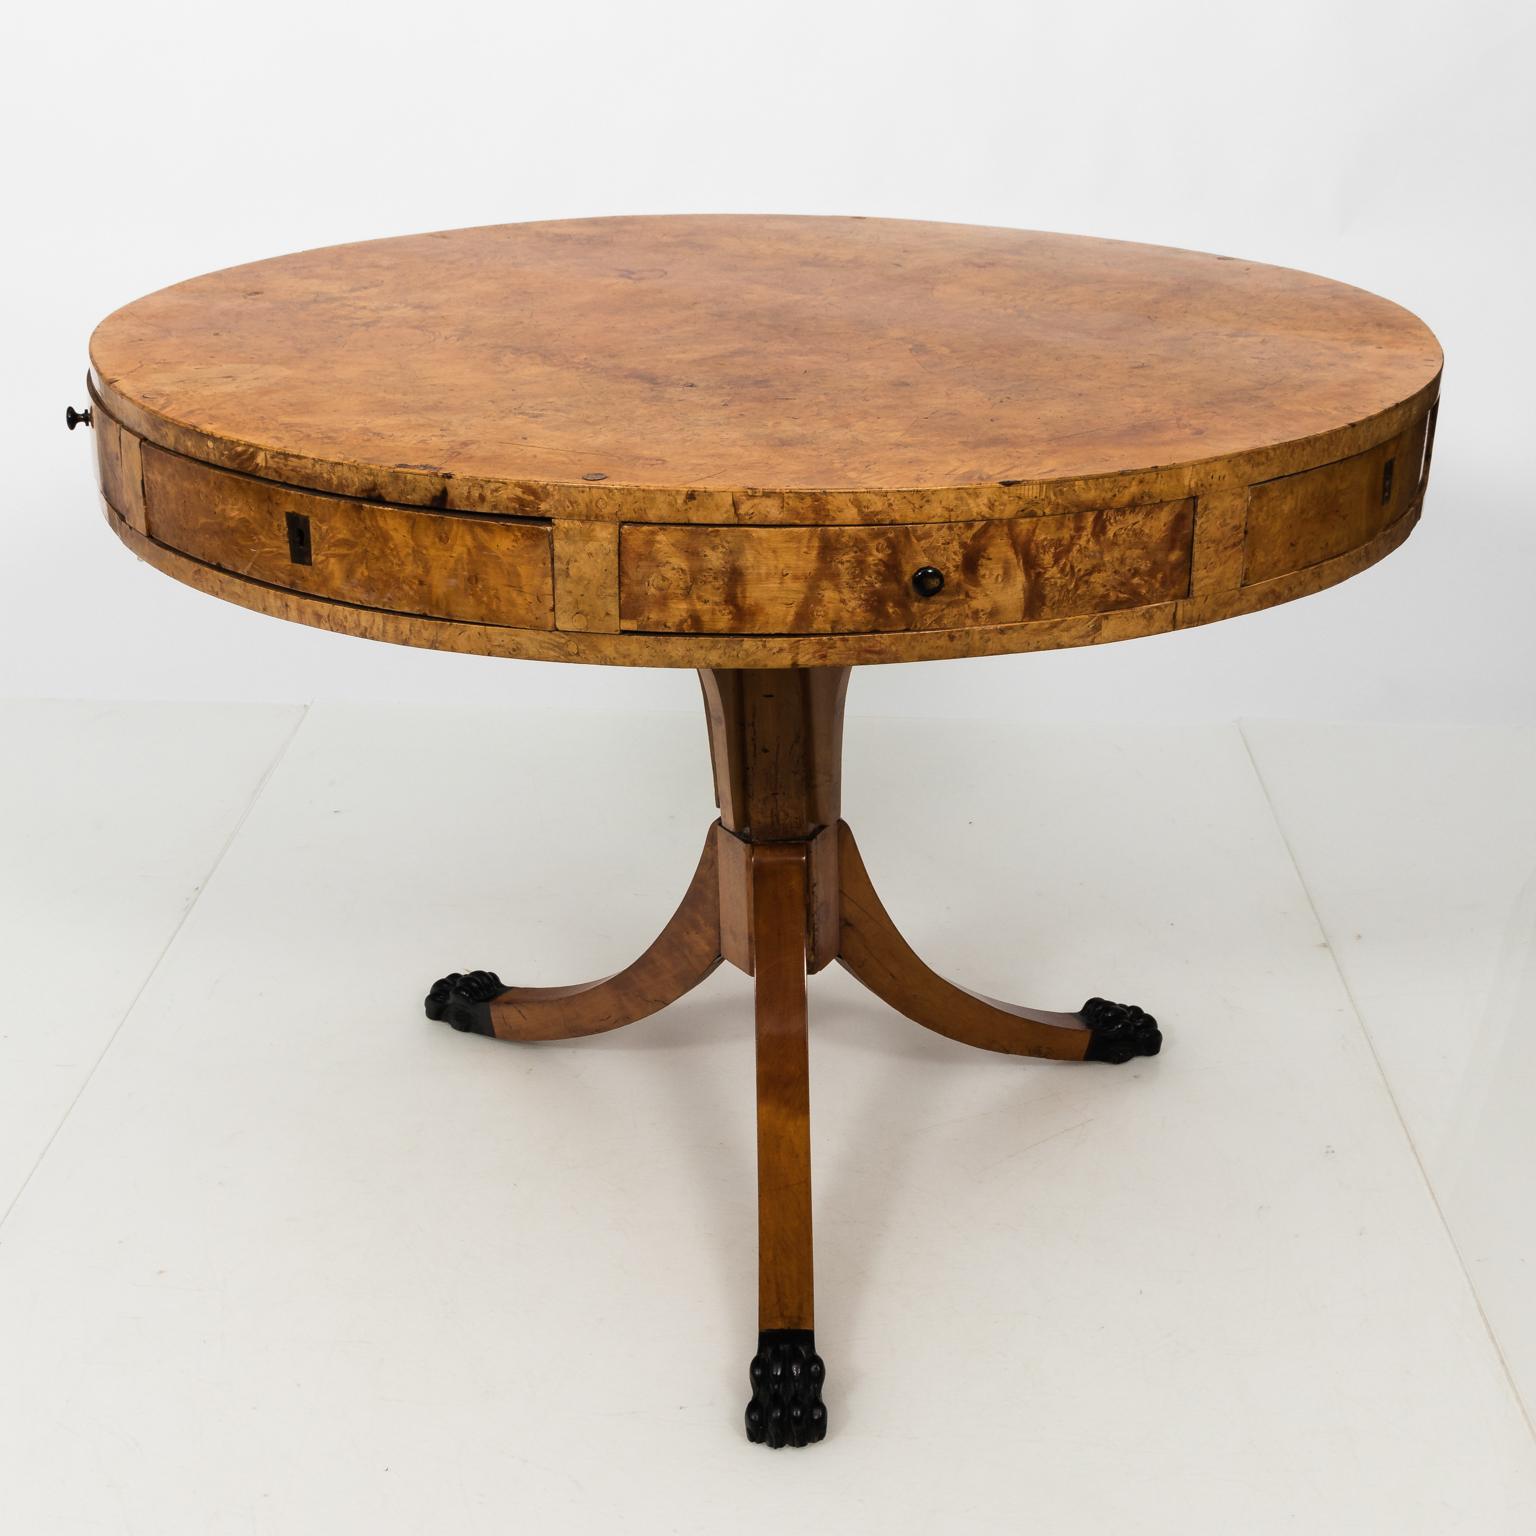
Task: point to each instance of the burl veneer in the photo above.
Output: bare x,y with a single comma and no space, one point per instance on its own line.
769,449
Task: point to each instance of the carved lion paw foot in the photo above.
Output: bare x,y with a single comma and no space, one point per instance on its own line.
464,1000
786,1375
1120,1031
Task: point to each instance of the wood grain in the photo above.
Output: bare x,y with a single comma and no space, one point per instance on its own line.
477,569
694,361
1258,595
784,1249
805,581
730,443
874,951
776,741
736,918
1300,519
120,469
586,576
682,955
752,651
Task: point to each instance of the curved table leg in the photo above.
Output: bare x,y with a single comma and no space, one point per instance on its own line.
683,954
875,952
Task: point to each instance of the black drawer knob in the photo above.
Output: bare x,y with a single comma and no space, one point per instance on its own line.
74,418
928,581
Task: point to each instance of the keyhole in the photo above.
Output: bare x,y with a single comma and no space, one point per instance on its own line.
300,550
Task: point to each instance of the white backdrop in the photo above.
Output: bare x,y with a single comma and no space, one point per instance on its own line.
1386,144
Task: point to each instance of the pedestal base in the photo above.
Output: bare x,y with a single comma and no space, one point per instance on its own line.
781,891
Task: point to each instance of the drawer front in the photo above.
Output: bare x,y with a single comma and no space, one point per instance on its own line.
1299,520
859,580
476,569
119,468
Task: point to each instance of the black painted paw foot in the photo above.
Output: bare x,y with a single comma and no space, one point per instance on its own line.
786,1378
464,1000
1120,1031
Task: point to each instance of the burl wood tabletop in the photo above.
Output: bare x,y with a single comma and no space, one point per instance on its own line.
714,439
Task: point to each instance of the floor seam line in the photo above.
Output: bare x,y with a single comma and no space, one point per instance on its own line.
1386,1083
159,960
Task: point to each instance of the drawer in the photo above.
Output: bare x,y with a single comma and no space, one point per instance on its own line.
482,570
1299,520
859,579
118,468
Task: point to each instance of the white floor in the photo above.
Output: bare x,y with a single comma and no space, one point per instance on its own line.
280,1256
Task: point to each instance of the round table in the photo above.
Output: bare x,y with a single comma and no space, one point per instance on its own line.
771,449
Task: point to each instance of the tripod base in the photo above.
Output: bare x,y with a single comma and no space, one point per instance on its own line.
781,891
